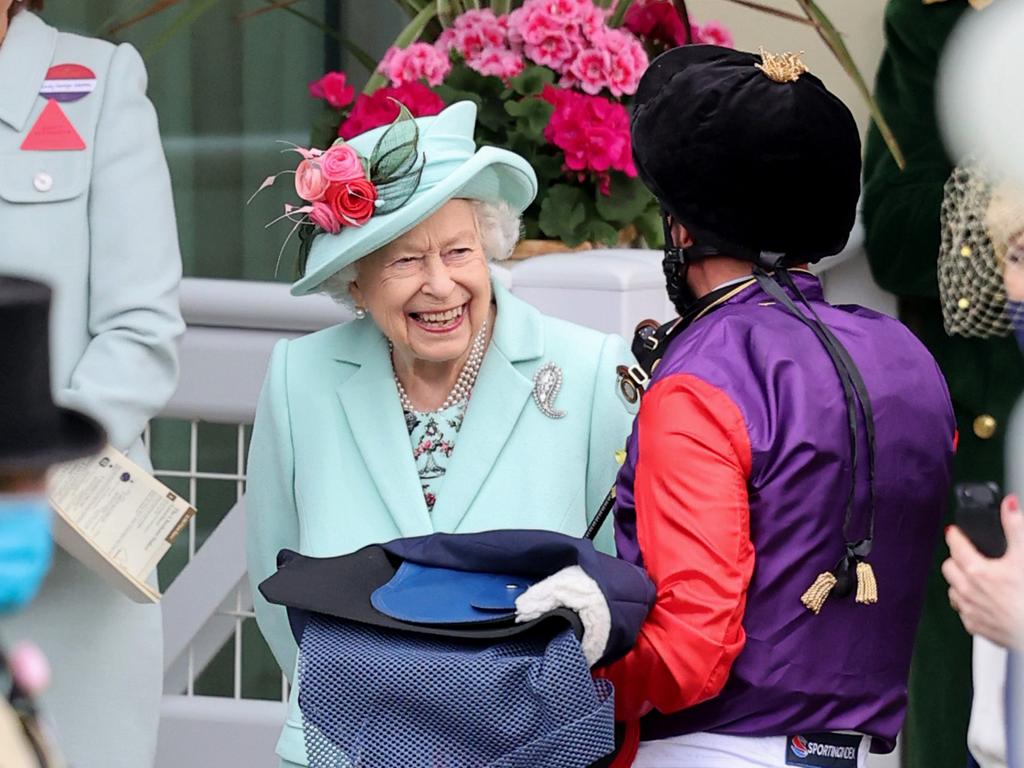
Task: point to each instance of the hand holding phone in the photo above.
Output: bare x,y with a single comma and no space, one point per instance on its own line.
977,515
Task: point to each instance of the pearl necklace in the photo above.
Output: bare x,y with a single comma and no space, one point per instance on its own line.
463,385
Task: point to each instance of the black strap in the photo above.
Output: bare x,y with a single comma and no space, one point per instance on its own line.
854,391
859,388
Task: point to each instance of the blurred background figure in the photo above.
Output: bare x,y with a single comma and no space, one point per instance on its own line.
981,111
981,282
34,434
85,206
901,211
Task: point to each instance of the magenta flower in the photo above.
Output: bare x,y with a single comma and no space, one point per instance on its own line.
591,131
379,108
656,20
333,89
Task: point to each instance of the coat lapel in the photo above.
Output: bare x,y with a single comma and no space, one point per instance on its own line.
502,390
25,57
374,414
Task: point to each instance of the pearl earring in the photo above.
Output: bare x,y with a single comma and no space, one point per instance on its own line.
360,313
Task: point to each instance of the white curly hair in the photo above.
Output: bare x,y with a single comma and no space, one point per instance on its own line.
499,226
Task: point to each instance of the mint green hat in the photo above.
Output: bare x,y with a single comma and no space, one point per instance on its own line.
453,167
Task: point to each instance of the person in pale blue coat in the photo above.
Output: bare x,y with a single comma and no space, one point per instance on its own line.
448,405
89,212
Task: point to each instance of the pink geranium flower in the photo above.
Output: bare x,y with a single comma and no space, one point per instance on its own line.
497,62
420,61
379,108
473,32
712,33
549,31
627,61
333,89
590,70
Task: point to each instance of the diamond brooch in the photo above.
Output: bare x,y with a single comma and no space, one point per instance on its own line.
546,383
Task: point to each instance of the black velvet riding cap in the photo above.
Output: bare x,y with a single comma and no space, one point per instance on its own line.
750,155
34,432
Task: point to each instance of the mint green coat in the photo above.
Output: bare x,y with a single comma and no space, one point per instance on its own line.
331,467
98,226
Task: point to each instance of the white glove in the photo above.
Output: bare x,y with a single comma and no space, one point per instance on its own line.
571,588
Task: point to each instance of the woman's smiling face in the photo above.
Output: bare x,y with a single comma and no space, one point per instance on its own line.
429,291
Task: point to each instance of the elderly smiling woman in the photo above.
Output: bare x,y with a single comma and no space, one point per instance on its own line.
448,405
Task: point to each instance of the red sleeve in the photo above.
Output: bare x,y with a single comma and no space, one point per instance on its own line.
693,528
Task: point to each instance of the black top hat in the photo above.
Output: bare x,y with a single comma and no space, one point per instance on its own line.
34,432
752,154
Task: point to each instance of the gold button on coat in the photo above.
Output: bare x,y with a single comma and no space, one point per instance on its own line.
985,426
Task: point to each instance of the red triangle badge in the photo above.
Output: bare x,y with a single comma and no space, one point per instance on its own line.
53,131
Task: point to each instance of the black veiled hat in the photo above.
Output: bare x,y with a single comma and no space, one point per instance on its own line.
34,432
750,155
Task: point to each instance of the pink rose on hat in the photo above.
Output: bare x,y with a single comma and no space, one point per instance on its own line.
322,215
310,181
342,163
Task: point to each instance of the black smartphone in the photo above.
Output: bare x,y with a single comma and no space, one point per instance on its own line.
977,515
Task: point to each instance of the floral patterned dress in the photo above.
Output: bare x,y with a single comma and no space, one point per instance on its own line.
433,440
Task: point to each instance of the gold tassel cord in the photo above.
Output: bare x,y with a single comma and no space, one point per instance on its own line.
781,67
814,598
867,585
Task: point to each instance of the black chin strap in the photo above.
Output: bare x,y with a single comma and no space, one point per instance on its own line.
851,567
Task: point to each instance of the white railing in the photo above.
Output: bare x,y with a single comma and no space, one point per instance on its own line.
232,327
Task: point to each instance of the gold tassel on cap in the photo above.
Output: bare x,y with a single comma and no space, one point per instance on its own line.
814,598
781,67
867,586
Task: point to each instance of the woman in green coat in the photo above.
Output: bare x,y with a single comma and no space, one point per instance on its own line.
985,376
448,405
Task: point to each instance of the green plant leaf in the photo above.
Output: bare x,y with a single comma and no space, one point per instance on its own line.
834,40
446,12
450,95
563,214
619,14
531,81
412,7
627,200
532,116
601,232
406,37
648,224
501,7
325,128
